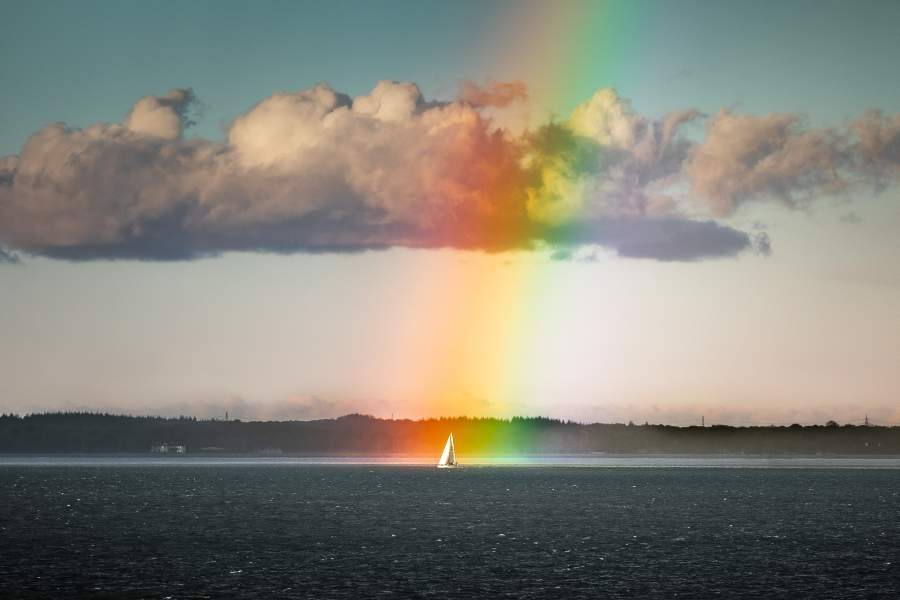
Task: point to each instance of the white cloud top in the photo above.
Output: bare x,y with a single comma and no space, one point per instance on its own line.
316,171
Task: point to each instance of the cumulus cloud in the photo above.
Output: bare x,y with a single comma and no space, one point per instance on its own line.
745,156
605,161
163,116
319,171
877,144
8,166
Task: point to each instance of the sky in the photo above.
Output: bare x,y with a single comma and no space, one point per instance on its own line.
599,211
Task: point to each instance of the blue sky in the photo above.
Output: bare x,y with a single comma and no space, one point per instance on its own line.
809,332
88,61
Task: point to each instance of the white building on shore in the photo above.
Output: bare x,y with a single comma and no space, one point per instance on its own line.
167,448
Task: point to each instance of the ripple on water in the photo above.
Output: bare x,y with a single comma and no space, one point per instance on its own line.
351,532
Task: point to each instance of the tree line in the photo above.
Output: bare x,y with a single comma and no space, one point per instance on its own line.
360,434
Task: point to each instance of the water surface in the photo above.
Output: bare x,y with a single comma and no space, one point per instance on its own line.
288,529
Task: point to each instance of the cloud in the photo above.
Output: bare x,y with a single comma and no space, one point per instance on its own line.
319,171
664,238
163,116
104,186
605,161
499,94
660,238
745,157
877,144
8,167
762,244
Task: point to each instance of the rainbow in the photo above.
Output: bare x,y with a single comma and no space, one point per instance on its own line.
480,357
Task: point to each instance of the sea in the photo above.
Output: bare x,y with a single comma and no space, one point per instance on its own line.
542,527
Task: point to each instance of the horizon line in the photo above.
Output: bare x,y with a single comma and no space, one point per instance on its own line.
697,424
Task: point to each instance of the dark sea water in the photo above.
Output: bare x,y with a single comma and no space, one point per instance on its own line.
352,531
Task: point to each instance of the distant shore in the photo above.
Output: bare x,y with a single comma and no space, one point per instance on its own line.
359,435
429,458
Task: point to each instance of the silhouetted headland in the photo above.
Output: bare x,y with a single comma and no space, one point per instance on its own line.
364,435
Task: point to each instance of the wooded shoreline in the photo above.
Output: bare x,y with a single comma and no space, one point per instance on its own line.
364,435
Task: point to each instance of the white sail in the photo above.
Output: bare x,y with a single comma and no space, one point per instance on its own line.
448,458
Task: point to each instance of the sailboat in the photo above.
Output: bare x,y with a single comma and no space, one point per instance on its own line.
448,458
